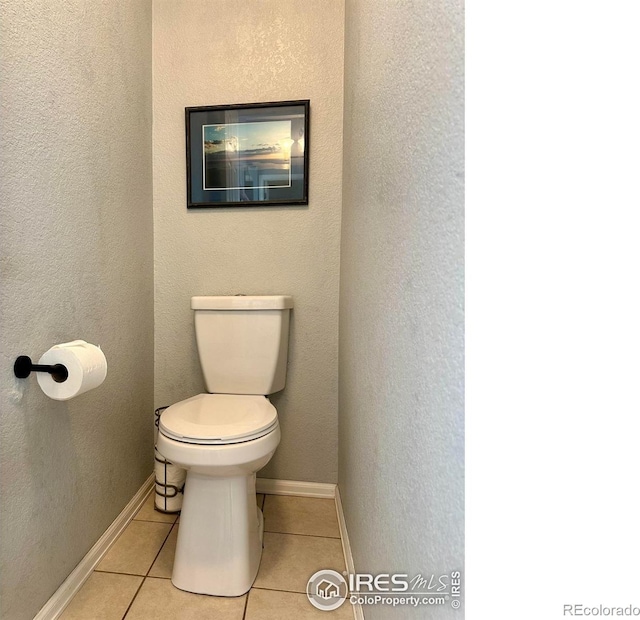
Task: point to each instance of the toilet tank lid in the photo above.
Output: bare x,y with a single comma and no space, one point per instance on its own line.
242,302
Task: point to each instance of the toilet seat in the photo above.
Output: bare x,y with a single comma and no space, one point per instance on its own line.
215,419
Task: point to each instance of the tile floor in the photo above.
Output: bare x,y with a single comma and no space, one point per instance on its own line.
132,581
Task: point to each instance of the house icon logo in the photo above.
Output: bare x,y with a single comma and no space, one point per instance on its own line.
327,590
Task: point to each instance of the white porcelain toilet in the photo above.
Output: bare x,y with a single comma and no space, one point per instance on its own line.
224,437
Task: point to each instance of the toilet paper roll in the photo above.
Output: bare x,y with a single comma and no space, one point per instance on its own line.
85,362
169,483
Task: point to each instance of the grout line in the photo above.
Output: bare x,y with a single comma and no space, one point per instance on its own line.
308,535
246,604
134,598
277,590
112,572
160,550
165,578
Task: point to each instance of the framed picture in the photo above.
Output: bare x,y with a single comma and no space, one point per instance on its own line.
246,155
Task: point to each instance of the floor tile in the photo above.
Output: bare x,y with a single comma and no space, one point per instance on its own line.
159,599
149,513
260,500
136,549
274,605
301,515
288,560
163,566
104,596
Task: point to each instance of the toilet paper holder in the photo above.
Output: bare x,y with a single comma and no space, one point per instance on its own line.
23,367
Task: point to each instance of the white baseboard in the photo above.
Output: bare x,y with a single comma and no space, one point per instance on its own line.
293,487
358,612
63,595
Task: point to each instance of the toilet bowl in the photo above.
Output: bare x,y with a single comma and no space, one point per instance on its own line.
220,532
222,438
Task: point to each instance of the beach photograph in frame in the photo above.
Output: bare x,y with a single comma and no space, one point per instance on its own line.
247,154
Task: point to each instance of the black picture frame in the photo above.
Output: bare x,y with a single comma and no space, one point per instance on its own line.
248,155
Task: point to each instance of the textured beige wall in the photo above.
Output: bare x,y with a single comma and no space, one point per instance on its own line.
224,52
401,296
76,243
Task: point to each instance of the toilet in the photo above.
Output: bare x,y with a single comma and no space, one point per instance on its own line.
222,438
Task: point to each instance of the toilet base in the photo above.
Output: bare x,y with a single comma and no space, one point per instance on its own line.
221,560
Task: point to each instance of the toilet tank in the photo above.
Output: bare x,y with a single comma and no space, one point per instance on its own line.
243,342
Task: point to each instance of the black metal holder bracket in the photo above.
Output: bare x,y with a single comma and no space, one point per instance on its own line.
24,367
